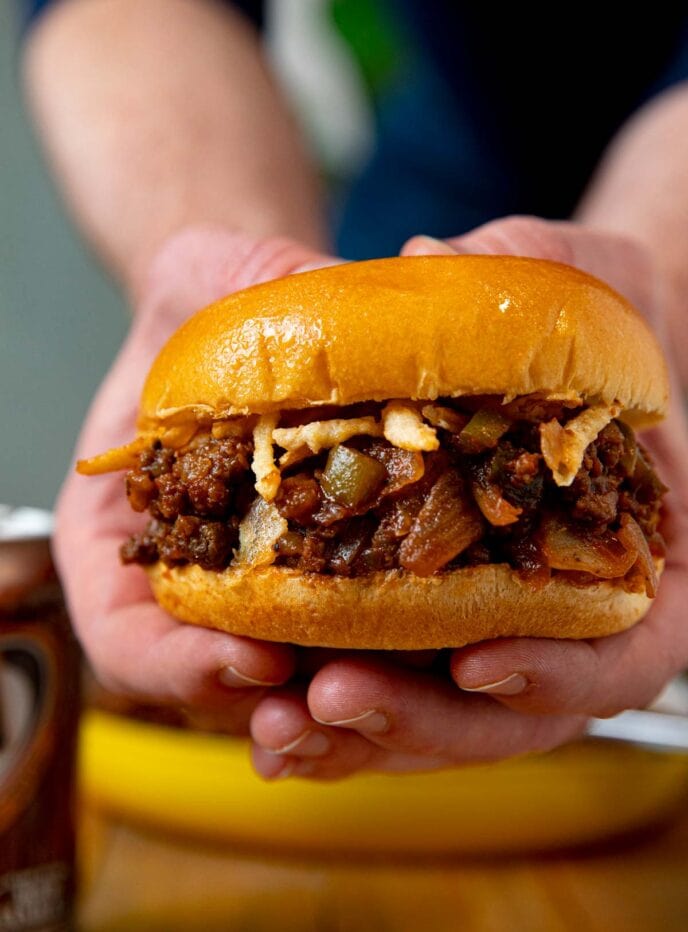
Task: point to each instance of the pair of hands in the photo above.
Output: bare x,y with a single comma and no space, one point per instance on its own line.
323,713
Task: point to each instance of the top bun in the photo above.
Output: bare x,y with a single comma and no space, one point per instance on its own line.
418,327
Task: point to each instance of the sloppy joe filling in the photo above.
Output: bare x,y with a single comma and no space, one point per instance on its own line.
547,487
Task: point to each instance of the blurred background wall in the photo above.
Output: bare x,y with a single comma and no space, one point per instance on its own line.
60,320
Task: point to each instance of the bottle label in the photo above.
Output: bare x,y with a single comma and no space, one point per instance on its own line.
38,719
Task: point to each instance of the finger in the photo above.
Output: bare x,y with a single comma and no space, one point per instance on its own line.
288,742
193,269
143,652
515,236
137,649
422,245
410,712
606,675
348,754
135,646
140,651
232,718
282,728
203,263
619,261
596,677
599,677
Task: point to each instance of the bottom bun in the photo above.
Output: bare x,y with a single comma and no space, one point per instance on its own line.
392,610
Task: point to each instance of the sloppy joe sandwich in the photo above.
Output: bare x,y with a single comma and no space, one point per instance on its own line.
400,454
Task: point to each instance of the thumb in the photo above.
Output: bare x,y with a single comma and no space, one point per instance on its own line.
618,260
201,264
508,236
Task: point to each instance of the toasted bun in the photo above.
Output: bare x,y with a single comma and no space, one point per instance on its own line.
392,610
410,328
404,328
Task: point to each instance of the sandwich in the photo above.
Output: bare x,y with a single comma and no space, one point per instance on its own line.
403,453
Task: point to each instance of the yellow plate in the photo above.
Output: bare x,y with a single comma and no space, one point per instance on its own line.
203,785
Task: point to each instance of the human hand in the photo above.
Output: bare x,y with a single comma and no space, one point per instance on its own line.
134,647
394,713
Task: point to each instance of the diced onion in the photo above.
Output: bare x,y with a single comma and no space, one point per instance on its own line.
498,511
446,524
604,556
446,418
404,467
631,536
259,531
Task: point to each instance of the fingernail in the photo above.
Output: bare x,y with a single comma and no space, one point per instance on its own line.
285,772
230,676
308,744
509,686
371,722
423,245
294,768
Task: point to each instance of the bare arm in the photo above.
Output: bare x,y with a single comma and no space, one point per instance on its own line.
641,189
159,115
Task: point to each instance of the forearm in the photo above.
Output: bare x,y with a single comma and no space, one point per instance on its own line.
161,114
641,189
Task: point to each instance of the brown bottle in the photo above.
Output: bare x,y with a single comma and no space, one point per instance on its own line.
39,707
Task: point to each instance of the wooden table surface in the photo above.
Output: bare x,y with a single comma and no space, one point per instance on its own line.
136,879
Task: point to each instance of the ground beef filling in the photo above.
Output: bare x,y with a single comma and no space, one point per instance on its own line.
462,505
